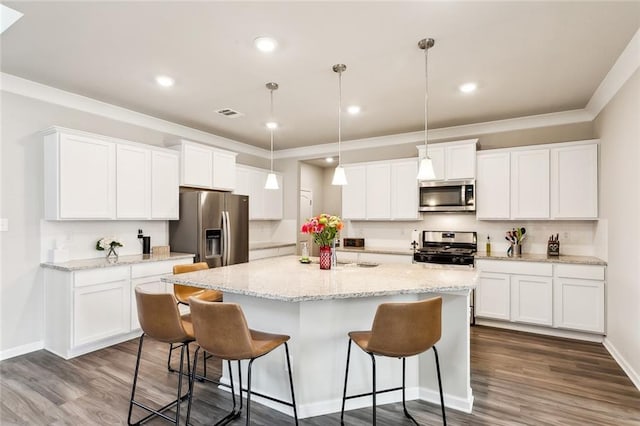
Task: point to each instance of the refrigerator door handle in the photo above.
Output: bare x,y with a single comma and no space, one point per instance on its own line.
224,239
228,221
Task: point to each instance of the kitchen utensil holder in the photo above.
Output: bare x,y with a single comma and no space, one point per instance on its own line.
514,250
553,248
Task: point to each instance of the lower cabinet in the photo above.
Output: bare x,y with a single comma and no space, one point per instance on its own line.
90,309
563,296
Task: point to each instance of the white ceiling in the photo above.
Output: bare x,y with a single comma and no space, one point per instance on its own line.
527,58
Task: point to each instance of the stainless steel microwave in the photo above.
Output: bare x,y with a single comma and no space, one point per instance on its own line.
447,196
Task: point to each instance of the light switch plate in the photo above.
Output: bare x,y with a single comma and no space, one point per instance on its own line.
4,224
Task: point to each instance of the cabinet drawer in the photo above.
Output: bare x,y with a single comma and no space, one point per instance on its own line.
587,272
102,275
157,268
515,267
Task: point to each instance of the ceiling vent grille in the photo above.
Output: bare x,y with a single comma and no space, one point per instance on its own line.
229,113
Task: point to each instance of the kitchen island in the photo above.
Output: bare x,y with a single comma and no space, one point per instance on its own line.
318,307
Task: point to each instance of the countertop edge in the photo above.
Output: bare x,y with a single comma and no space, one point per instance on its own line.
268,245
99,263
374,251
532,257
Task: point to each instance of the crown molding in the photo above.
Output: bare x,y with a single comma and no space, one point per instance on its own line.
31,89
624,67
467,131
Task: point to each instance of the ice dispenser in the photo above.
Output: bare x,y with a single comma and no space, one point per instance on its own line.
213,240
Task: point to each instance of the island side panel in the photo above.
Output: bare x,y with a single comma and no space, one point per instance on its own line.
454,355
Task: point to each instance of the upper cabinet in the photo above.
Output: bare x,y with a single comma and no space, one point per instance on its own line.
452,160
94,177
381,190
206,167
264,204
558,181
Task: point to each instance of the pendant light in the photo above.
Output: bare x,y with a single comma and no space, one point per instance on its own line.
425,171
339,178
272,181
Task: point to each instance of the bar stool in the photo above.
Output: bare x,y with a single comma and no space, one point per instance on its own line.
184,292
399,330
221,330
160,319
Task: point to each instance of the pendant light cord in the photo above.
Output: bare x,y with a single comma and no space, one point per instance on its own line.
426,96
271,130
339,117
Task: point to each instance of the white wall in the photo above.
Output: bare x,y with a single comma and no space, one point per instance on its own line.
618,127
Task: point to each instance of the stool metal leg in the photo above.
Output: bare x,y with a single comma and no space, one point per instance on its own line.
346,375
373,369
444,416
293,396
249,390
404,404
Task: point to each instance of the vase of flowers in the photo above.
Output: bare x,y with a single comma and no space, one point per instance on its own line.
109,244
324,229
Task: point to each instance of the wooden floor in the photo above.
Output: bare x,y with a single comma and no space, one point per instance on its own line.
517,379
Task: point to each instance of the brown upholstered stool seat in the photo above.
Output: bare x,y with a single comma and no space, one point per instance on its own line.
399,330
184,292
160,319
221,330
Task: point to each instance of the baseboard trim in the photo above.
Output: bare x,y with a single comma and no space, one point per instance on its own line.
21,350
547,331
622,362
450,402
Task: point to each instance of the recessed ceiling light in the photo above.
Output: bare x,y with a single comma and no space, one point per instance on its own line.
329,159
265,44
468,87
272,125
165,81
353,109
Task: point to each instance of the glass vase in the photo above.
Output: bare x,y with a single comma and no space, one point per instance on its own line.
325,257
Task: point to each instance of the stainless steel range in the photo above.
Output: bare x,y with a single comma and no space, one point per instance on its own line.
447,248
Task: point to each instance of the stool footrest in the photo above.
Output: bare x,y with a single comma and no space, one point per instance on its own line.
371,393
160,411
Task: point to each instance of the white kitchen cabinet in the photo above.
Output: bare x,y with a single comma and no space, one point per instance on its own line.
79,176
354,193
493,188
133,181
165,185
224,170
206,167
345,257
196,166
579,298
493,296
378,191
404,190
452,160
264,204
574,182
532,299
264,253
530,184
90,309
381,190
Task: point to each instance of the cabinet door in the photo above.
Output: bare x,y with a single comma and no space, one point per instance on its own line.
165,185
460,161
242,182
256,194
493,186
493,296
378,195
574,182
224,171
100,311
133,179
404,190
354,194
530,184
436,153
532,299
87,178
273,200
197,166
579,304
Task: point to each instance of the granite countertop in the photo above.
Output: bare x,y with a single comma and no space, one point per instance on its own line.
375,250
285,278
268,245
102,262
531,257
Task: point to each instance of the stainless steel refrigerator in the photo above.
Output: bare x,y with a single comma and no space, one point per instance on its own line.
213,225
